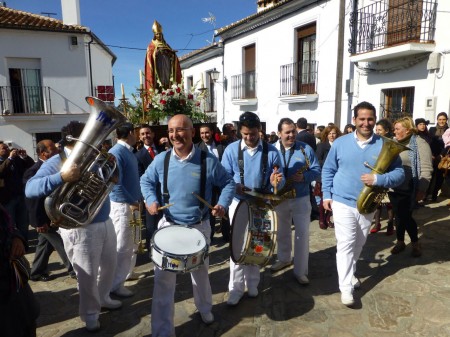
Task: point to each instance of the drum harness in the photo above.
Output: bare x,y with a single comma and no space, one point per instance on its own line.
264,159
166,195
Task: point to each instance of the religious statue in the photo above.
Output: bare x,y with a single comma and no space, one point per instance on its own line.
162,67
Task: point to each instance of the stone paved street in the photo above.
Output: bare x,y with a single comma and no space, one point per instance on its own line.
400,295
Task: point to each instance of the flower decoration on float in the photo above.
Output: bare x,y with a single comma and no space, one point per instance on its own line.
165,103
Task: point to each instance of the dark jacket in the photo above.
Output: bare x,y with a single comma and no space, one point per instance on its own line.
36,210
322,152
220,148
437,144
144,158
305,137
11,174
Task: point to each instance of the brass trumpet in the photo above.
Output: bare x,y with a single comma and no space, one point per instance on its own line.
136,225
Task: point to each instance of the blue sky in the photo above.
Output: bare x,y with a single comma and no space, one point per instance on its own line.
128,24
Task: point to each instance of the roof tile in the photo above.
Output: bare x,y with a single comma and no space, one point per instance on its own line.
13,18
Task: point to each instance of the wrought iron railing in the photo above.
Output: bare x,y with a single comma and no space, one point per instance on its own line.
387,23
243,86
25,100
298,78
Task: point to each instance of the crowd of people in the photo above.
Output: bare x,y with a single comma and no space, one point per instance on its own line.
303,170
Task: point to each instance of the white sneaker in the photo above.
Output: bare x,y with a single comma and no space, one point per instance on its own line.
111,304
92,325
347,298
302,279
252,292
356,283
280,265
234,298
123,292
207,318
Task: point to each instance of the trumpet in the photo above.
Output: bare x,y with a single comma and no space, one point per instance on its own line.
136,225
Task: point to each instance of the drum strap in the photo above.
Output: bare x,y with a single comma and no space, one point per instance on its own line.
264,160
166,195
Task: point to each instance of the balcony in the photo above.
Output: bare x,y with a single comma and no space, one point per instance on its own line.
243,89
298,82
391,29
25,100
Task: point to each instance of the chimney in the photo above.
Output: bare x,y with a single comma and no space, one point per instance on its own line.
71,12
264,4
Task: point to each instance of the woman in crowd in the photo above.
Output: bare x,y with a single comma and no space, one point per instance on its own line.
384,128
329,134
349,128
417,164
437,146
18,307
422,129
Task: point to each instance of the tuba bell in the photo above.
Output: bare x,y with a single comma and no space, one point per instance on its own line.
75,204
371,196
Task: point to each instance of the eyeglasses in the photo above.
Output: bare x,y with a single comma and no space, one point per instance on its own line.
177,130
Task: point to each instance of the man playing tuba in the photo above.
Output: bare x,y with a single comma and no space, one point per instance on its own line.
92,248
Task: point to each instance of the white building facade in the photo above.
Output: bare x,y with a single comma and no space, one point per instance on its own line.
287,60
401,52
47,68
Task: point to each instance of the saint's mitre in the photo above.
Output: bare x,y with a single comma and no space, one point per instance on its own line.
156,28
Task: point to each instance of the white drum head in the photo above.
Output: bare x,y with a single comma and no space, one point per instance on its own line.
240,229
179,240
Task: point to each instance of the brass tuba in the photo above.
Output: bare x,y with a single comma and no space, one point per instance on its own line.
371,196
75,204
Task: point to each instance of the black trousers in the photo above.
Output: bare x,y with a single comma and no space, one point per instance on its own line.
47,243
402,205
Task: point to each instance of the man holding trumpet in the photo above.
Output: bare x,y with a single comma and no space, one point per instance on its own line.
181,170
124,198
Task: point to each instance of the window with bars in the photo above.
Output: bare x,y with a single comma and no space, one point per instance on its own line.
396,103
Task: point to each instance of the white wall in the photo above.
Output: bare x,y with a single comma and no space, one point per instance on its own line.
427,83
201,70
275,46
64,68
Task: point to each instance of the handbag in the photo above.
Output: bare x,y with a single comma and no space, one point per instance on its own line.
22,271
444,164
317,191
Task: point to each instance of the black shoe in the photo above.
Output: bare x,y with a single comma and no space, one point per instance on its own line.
42,278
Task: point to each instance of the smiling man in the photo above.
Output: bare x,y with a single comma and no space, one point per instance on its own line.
256,170
343,177
301,167
176,174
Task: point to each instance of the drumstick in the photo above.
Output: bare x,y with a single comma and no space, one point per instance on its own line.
164,207
206,203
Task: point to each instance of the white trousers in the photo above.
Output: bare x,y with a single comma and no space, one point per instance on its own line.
120,215
296,210
92,251
351,229
241,275
163,307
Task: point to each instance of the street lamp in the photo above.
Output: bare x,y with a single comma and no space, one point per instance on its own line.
215,77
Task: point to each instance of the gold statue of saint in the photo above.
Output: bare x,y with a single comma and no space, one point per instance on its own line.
162,67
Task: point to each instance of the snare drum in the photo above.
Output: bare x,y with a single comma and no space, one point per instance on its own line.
178,248
253,233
